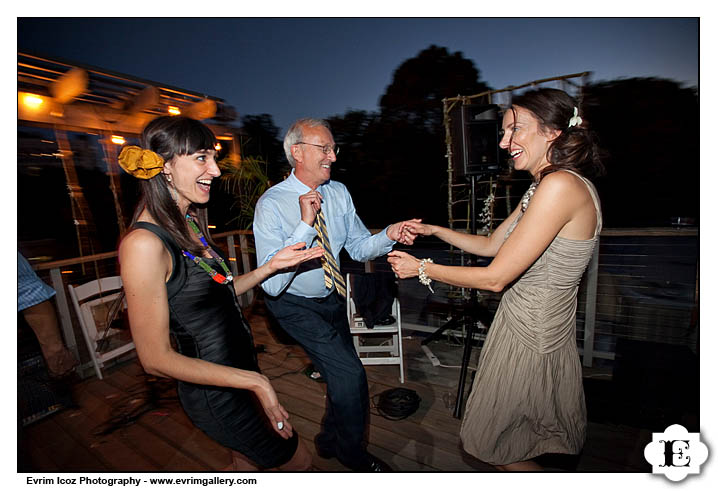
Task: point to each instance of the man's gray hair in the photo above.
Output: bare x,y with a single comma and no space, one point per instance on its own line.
295,135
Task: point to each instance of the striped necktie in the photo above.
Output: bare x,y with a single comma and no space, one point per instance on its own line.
331,268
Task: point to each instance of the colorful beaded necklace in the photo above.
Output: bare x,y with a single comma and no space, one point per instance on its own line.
219,278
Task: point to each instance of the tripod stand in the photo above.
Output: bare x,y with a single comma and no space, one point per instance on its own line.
467,315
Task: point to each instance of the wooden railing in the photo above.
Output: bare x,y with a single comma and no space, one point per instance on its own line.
589,350
55,271
238,248
640,285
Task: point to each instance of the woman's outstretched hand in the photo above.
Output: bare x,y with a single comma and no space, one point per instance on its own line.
292,255
404,265
278,416
415,227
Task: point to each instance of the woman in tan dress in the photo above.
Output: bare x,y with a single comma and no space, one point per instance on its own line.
527,398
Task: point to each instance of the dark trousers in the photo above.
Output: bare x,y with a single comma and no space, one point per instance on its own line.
321,327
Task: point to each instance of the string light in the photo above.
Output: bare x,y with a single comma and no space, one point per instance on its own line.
33,101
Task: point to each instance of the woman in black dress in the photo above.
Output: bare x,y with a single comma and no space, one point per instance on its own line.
176,283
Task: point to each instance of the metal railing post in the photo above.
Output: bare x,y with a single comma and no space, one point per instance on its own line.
64,311
246,267
232,255
590,320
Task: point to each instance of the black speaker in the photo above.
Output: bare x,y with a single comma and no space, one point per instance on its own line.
475,139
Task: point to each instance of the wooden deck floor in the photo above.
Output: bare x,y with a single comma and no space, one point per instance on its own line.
163,439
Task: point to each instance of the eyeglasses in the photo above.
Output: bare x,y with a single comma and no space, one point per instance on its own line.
327,149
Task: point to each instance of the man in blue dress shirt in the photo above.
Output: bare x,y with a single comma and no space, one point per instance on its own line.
312,313
34,301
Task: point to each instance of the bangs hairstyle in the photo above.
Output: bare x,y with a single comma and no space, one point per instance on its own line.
169,137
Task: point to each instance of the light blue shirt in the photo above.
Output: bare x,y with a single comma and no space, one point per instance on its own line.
278,223
31,290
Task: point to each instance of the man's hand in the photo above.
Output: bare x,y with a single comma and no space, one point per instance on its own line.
402,231
310,204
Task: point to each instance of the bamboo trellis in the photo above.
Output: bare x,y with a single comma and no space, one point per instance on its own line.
460,196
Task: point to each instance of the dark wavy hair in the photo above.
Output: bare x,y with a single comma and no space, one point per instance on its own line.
169,137
576,148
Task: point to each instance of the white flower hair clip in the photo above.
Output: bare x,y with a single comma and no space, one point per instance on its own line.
576,119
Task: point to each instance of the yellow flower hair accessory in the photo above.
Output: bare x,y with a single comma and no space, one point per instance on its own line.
140,162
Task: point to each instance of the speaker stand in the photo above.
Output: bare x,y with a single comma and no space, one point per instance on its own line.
467,316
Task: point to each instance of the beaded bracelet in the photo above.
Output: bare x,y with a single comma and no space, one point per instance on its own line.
423,279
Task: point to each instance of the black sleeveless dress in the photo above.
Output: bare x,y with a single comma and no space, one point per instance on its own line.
207,323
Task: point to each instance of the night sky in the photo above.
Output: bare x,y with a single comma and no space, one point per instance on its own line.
294,67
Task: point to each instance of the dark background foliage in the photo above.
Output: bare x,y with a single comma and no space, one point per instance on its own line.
394,161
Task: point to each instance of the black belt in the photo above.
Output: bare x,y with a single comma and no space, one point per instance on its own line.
321,299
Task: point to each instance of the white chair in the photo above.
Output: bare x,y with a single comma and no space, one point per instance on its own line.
387,354
93,302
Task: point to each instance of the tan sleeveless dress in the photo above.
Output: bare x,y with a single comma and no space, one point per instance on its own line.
527,398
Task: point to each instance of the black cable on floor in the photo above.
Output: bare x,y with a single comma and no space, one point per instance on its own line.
396,404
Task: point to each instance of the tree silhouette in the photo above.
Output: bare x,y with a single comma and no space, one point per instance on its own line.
403,161
419,85
649,127
261,139
394,162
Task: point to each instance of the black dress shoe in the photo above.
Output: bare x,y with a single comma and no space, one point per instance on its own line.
322,451
386,321
378,465
325,453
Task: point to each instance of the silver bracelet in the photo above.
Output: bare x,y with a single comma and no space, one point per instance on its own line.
423,279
